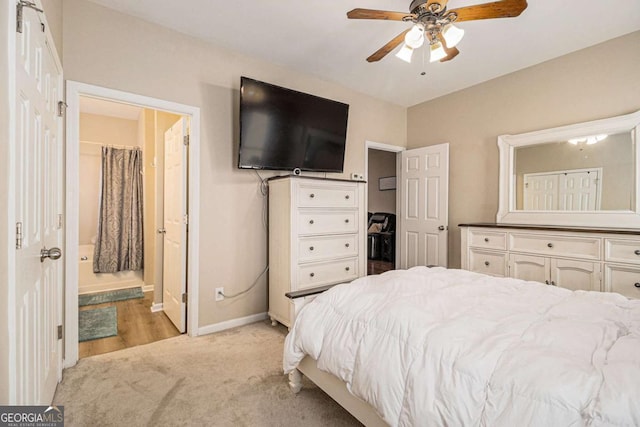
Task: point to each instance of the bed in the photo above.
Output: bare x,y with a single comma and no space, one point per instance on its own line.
431,346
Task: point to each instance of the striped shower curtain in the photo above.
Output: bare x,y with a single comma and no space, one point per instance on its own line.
119,243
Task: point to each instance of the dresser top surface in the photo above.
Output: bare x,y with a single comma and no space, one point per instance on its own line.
630,231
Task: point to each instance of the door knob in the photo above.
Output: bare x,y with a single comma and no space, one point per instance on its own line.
53,253
441,228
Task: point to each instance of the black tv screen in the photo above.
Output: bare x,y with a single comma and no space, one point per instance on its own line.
282,129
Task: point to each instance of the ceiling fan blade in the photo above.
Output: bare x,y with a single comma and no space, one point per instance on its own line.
451,52
384,50
378,14
497,9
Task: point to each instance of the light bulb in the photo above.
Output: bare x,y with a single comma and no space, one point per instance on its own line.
437,52
415,37
405,53
452,35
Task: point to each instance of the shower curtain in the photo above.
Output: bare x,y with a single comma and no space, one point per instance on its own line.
119,243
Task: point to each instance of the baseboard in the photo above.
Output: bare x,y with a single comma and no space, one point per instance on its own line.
157,306
233,323
148,288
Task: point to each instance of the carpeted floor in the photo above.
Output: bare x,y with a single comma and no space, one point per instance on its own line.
232,378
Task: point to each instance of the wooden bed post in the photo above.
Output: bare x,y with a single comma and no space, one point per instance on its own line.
295,381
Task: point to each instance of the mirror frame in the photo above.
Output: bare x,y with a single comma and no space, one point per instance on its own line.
507,144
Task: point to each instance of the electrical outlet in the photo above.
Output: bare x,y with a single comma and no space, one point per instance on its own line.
219,294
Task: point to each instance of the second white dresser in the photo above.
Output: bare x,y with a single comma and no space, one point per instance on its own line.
317,237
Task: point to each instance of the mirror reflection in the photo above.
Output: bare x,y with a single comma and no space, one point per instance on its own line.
590,173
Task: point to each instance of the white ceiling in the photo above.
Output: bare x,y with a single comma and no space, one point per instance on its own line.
101,107
315,37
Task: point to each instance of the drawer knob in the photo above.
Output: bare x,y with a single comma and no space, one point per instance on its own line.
346,197
637,285
312,274
347,269
637,252
549,245
310,221
346,220
311,248
312,195
486,239
487,263
346,245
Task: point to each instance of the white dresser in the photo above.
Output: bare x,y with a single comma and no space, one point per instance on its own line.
593,259
317,237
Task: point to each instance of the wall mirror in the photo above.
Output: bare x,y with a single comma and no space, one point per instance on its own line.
586,174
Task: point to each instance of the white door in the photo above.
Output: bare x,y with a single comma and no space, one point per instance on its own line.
38,208
578,190
174,270
575,275
423,217
540,192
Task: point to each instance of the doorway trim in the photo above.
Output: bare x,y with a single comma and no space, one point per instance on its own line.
74,91
382,147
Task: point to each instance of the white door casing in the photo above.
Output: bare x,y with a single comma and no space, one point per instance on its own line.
35,350
423,215
174,270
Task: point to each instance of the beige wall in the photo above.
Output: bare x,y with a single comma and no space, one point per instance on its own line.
106,48
381,164
96,130
597,82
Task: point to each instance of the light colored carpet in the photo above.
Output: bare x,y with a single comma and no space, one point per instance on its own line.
232,378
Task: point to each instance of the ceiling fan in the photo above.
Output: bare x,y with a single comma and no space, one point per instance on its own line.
434,22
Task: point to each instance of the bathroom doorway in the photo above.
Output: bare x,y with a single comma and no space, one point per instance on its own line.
122,202
120,146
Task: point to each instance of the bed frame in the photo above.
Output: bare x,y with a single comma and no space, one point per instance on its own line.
333,386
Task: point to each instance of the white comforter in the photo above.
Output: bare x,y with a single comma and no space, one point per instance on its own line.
430,346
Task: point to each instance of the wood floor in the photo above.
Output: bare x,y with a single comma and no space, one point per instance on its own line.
136,325
375,266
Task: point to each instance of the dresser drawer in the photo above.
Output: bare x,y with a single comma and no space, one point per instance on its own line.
622,251
487,262
322,247
488,239
324,222
327,195
565,246
622,279
325,273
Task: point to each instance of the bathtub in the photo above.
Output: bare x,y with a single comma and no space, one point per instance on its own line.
89,282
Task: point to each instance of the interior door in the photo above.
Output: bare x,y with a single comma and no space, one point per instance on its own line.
578,191
423,217
540,192
174,288
38,208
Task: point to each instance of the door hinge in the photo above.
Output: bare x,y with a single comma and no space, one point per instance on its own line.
19,17
59,332
185,139
185,219
60,221
18,235
184,298
62,108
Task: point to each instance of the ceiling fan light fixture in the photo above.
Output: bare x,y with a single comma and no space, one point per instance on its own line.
405,53
452,35
415,37
437,52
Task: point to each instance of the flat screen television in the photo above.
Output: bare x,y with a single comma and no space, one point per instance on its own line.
282,129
